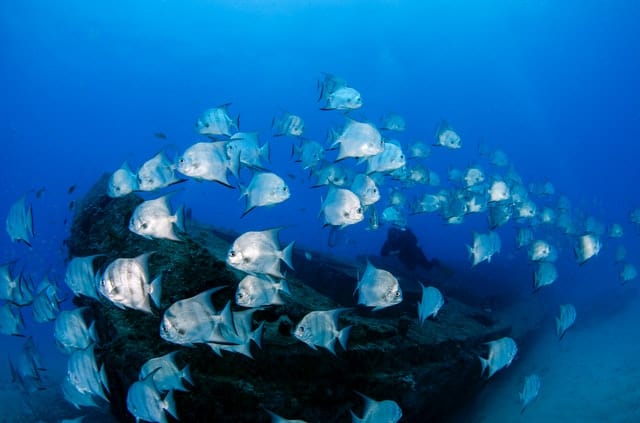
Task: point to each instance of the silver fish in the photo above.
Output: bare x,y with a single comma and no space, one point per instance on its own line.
46,302
341,208
125,282
208,161
71,331
166,375
499,213
389,159
156,173
27,368
499,191
378,288
254,291
80,276
447,137
152,219
76,397
194,320
366,190
432,302
566,319
418,174
393,122
428,203
265,189
628,273
547,215
540,250
287,124
20,222
473,176
527,209
246,147
329,84
11,322
501,353
258,252
530,390
418,150
545,274
358,139
145,403
616,231
588,246
216,122
122,182
83,373
333,174
394,215
309,153
484,247
343,98
320,329
386,411
14,289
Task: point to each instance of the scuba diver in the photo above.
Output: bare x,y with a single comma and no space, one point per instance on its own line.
404,244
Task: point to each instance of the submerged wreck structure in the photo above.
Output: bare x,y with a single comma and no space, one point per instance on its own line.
429,370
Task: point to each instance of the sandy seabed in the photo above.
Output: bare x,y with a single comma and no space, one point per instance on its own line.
591,375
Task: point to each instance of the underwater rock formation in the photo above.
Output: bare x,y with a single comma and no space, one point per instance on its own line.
429,371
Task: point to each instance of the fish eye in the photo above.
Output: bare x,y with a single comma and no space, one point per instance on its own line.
300,328
144,225
359,210
181,160
397,294
232,253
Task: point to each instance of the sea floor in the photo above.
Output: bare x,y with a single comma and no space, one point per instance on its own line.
591,375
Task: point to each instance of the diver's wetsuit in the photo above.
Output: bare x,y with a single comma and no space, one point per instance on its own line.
404,244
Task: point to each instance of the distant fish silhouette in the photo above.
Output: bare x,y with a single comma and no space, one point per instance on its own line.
71,189
160,135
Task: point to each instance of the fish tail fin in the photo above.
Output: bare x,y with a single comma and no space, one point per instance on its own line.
485,365
215,348
170,404
354,418
186,374
103,379
265,152
343,337
287,255
155,290
244,349
284,287
179,216
257,335
236,122
93,335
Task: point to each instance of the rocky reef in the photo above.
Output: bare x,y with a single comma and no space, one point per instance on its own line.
429,371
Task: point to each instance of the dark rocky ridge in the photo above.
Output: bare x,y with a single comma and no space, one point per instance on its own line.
429,371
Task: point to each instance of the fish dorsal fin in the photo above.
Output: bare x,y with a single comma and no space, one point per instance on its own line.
143,260
204,298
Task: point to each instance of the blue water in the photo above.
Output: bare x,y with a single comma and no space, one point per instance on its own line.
85,85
